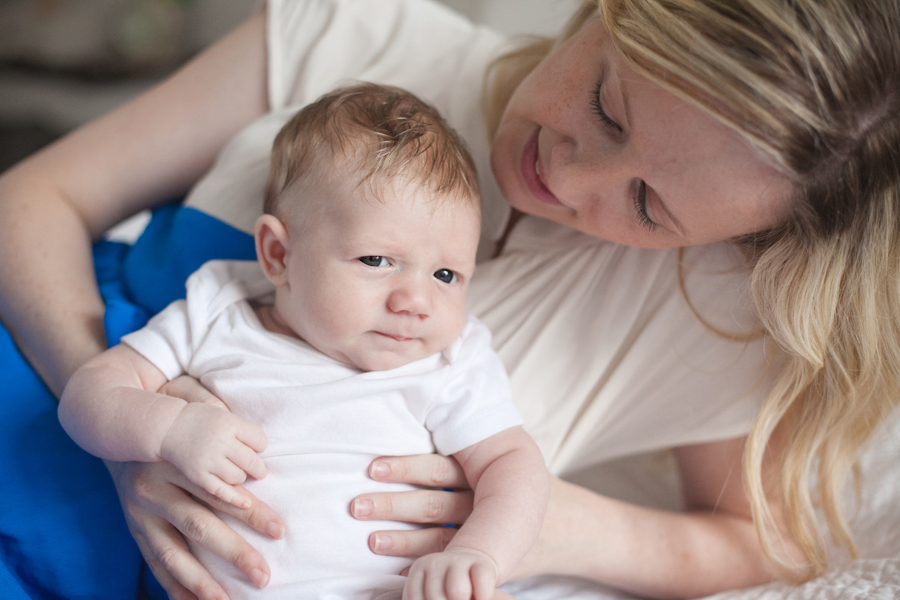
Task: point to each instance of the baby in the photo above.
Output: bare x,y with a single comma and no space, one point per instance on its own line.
348,339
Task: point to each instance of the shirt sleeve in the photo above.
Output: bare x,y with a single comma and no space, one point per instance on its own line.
605,354
475,401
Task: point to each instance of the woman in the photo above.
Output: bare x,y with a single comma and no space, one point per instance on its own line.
649,125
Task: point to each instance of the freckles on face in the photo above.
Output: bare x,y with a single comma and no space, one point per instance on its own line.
589,143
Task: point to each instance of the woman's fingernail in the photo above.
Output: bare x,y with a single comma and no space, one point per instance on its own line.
380,469
362,508
275,530
382,542
259,577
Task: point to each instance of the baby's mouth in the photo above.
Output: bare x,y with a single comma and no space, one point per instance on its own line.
398,338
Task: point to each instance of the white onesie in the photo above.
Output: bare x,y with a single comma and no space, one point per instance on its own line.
325,423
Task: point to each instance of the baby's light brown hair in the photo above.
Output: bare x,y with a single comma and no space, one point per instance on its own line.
382,134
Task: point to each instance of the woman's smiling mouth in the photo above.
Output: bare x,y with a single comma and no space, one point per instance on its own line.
531,171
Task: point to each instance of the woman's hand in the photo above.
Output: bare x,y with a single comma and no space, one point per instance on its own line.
436,506
163,508
431,506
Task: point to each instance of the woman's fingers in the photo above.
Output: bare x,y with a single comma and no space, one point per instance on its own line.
420,506
171,561
175,590
159,491
432,470
414,543
259,516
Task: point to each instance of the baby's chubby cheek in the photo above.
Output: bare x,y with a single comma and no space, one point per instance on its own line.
449,329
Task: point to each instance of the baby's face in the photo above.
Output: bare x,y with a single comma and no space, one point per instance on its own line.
378,283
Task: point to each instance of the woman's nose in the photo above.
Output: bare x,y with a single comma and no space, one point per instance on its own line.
577,168
412,297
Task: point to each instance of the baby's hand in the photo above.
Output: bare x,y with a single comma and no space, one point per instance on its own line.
454,574
216,450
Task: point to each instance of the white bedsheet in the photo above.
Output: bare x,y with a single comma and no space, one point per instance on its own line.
876,528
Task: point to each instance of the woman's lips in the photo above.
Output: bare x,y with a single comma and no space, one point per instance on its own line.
530,172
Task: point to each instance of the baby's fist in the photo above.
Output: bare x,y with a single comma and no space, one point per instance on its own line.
454,574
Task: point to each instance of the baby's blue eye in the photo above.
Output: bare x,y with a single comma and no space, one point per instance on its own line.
445,275
374,261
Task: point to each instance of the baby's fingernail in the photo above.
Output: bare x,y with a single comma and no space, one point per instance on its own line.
246,503
275,530
362,508
380,469
259,578
382,542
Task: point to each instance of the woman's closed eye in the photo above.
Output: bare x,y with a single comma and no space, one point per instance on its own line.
640,205
374,261
445,275
640,196
602,115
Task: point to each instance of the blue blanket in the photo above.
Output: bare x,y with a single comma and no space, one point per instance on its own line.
62,533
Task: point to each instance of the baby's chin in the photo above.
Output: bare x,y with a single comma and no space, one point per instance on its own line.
383,361
386,359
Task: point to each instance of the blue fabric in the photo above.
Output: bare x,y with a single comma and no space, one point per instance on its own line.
62,533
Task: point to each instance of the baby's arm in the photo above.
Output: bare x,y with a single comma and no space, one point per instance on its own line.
511,487
111,409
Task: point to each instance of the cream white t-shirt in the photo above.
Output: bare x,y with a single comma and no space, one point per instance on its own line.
325,423
604,354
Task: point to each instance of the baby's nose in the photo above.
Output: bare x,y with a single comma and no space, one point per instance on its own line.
412,297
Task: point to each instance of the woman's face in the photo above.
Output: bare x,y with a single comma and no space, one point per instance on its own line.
589,143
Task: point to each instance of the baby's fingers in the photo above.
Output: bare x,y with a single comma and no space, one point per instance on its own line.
484,580
222,488
248,461
253,436
458,584
415,581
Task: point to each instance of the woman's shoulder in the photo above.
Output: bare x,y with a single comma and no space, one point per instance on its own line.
317,45
418,45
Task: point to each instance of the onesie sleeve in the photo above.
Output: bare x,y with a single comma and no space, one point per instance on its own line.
172,337
474,401
165,340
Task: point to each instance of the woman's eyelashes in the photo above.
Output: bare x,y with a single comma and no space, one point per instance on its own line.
374,261
640,205
597,109
640,197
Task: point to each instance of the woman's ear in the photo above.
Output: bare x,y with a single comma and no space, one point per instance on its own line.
272,241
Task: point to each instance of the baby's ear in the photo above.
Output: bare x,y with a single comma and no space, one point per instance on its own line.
272,239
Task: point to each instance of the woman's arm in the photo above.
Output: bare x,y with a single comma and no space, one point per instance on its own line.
53,204
710,548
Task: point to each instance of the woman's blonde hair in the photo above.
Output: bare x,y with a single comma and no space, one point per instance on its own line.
815,86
